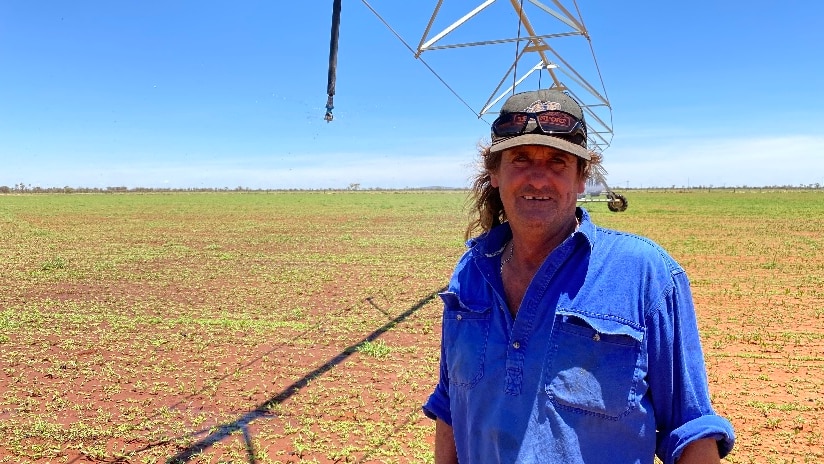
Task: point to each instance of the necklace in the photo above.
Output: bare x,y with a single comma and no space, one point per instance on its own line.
508,258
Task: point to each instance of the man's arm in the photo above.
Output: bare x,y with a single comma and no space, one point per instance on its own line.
678,380
445,452
703,451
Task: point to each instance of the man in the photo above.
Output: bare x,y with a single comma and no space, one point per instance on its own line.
564,342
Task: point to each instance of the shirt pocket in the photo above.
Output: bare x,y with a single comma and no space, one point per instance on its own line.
466,333
593,364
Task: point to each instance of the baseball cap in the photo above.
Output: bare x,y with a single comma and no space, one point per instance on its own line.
534,102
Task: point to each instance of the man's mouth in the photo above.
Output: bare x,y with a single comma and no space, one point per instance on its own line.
530,197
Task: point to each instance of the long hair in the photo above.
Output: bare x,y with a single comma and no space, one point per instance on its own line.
487,209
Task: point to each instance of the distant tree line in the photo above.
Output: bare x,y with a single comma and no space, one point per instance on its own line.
23,188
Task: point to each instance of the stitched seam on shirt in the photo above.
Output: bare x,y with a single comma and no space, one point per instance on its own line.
661,301
610,317
631,407
672,266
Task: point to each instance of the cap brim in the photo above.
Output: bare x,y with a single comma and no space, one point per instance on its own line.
540,139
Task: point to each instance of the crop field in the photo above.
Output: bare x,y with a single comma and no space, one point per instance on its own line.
290,327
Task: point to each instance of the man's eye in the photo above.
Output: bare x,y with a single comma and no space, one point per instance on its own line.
558,164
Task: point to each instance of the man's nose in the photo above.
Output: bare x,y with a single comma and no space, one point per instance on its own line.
540,174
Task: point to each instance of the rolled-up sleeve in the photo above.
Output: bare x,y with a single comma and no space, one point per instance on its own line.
678,379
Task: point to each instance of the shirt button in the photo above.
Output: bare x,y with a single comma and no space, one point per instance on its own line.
516,345
459,317
596,337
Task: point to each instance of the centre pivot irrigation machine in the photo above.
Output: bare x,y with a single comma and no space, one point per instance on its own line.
534,45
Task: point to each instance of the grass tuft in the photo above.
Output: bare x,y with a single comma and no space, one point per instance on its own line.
377,349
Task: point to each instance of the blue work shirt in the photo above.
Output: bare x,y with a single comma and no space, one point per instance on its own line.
602,364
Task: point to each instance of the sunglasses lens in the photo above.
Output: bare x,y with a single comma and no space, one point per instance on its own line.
555,121
510,124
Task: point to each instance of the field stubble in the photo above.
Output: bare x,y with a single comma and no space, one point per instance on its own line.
303,327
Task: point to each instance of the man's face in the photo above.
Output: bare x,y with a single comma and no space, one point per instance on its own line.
539,187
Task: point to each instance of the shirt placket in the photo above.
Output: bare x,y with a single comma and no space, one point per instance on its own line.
523,327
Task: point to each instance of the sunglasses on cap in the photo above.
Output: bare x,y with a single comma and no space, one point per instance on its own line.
550,122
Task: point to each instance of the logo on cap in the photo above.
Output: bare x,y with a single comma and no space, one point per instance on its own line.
537,106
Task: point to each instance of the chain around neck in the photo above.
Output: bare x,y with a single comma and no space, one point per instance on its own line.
508,258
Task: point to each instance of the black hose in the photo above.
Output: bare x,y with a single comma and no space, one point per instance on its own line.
333,60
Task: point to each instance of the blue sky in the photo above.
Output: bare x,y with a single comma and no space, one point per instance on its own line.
206,94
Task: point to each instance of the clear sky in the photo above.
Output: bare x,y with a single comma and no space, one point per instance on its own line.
225,94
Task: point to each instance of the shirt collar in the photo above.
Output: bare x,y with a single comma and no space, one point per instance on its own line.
587,227
492,243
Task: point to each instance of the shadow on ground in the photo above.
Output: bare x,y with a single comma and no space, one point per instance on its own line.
217,434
